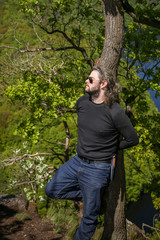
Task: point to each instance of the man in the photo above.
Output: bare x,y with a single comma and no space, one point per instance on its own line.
84,177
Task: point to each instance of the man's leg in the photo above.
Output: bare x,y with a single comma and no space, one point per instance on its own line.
93,179
64,184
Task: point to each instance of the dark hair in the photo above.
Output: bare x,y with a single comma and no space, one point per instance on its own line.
111,91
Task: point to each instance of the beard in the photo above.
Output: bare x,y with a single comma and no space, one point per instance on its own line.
94,92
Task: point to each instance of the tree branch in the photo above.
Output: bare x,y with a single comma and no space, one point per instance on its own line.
36,179
152,228
69,40
12,161
133,227
29,182
80,49
37,49
139,19
133,62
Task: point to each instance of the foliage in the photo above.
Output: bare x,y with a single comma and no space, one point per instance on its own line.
148,8
45,100
64,216
9,118
155,235
53,46
137,74
143,162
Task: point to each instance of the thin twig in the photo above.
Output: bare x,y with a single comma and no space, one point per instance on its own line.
12,161
153,228
29,182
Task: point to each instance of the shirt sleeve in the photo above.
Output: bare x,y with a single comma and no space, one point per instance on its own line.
123,124
83,98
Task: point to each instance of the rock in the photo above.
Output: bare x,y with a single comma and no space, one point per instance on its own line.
14,201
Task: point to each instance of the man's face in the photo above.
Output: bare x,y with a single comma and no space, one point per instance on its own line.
93,84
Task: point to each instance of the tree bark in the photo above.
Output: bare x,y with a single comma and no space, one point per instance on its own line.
114,201
113,44
115,223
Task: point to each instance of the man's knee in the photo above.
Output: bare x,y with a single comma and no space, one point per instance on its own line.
50,191
47,191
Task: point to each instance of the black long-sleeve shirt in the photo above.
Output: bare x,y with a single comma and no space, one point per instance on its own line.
99,129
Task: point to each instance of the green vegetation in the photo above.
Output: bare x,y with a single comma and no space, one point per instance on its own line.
63,213
23,216
47,50
156,231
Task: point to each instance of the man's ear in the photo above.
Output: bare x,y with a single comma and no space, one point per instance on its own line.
104,84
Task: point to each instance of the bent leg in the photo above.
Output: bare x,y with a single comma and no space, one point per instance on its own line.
64,184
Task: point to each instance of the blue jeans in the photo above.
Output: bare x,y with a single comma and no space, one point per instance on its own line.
81,181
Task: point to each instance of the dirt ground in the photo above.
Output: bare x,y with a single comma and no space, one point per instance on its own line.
33,227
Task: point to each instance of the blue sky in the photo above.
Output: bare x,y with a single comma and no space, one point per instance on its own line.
156,100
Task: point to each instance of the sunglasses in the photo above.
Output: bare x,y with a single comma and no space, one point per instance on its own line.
90,79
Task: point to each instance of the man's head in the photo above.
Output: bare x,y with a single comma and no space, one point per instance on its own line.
97,84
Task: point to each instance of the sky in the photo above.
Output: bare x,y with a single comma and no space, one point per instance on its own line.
156,100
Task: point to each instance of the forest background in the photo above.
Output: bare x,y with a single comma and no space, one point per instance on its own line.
47,51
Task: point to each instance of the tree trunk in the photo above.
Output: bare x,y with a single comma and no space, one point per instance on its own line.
115,224
114,201
113,44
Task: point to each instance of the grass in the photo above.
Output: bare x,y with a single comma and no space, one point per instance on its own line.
23,216
66,221
64,217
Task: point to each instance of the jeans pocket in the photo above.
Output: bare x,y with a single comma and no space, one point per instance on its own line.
101,165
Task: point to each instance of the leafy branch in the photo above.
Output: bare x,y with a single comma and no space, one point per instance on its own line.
139,18
9,162
31,181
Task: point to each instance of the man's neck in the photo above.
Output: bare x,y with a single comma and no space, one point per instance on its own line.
98,100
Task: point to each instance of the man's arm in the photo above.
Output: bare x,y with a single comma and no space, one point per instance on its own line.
126,129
